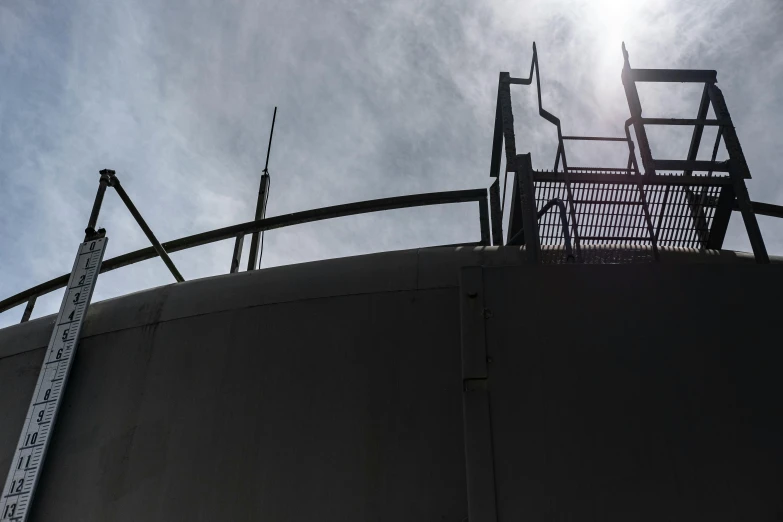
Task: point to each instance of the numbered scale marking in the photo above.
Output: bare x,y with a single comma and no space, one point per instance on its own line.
34,440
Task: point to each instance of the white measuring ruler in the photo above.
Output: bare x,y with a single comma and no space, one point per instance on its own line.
28,459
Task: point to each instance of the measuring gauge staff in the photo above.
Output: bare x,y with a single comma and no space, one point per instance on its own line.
28,459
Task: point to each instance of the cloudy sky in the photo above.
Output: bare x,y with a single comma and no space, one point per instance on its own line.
375,99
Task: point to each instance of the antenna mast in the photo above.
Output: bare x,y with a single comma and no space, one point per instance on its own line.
263,196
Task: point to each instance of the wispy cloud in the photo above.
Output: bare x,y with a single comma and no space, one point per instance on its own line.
376,99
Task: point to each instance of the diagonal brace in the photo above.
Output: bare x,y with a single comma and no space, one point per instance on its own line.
115,182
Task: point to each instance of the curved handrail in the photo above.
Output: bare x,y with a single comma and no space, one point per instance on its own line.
296,218
563,219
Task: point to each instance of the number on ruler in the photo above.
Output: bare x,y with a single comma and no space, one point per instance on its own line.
21,460
16,486
9,511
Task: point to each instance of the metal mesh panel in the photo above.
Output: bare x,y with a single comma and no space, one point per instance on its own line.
612,213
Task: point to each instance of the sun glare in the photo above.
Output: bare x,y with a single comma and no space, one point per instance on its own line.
611,18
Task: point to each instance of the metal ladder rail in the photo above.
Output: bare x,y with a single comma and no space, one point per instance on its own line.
563,219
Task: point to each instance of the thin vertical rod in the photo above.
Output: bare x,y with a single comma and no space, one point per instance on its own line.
263,196
269,146
635,106
698,130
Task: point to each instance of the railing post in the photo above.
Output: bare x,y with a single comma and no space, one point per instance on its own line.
720,220
635,106
516,232
237,255
484,221
497,213
529,213
28,310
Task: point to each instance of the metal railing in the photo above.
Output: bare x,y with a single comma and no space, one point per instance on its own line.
628,205
231,232
504,135
555,202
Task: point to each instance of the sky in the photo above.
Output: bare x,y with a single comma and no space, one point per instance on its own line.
375,99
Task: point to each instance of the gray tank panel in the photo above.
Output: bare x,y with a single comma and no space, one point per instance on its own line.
323,391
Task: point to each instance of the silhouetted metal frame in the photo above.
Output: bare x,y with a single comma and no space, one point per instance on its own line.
738,172
693,151
762,209
504,134
527,193
720,221
556,202
285,220
736,166
640,187
695,188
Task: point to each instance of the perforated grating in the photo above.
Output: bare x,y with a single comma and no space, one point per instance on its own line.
612,213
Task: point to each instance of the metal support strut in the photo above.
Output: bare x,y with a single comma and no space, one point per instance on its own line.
104,182
738,172
528,199
109,178
115,182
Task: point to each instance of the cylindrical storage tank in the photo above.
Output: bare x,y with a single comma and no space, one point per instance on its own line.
422,385
322,391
